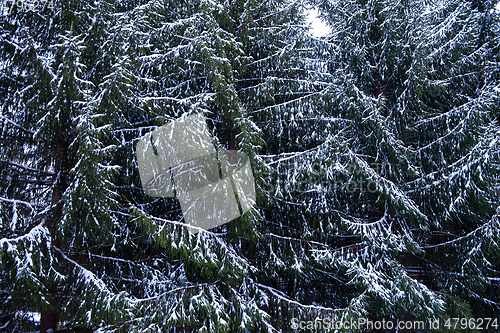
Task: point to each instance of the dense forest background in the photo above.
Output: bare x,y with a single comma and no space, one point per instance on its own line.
375,151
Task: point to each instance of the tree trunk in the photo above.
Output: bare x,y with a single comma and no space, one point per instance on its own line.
49,317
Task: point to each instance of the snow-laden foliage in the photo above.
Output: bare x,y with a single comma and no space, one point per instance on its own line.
375,151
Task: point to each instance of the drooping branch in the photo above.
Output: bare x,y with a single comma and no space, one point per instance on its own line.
17,126
29,169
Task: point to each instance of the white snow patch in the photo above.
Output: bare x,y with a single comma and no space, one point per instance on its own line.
31,316
14,218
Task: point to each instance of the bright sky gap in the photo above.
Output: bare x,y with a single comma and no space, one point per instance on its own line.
318,27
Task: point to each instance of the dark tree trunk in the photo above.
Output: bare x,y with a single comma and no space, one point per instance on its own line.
49,317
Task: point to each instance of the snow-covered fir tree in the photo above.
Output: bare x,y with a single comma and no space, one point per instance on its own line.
423,104
375,153
456,136
81,243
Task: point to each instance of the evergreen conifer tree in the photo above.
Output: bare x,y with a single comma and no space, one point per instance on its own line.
92,250
456,135
375,154
412,68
